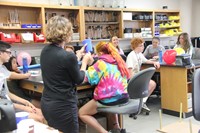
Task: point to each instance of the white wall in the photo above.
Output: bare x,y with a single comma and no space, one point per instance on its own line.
28,1
186,15
153,4
195,26
145,4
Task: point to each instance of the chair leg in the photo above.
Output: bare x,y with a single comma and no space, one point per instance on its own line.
147,112
123,131
133,116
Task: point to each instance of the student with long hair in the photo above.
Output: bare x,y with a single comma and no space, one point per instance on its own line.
14,84
110,76
185,43
115,41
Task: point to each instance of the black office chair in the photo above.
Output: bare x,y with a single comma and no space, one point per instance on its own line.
137,90
7,116
196,95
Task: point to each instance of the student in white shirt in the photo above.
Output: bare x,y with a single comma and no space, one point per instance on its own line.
19,104
134,61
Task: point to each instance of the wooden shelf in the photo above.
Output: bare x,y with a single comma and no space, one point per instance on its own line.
101,23
167,20
137,20
169,27
41,13
16,28
40,43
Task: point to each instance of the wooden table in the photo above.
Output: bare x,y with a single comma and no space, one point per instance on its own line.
175,89
35,84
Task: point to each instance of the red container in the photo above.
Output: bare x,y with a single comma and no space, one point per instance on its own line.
39,37
17,37
7,37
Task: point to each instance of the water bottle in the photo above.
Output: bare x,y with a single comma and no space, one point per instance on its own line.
25,65
160,56
157,30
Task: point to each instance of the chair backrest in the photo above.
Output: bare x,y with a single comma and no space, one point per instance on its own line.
196,94
196,53
123,57
7,114
138,85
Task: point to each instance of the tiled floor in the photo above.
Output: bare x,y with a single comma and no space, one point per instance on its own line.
150,123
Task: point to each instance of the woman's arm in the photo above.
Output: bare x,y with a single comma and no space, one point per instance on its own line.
156,64
20,100
24,108
15,75
130,70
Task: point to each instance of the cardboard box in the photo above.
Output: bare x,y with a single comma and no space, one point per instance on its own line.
127,16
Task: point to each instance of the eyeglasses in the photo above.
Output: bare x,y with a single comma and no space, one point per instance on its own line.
8,52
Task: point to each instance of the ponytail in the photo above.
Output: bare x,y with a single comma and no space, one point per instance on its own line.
108,48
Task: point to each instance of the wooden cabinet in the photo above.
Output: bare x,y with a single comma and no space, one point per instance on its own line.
137,23
175,89
102,24
167,23
89,22
71,13
20,18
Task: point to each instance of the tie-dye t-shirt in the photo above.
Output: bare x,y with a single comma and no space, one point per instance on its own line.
110,84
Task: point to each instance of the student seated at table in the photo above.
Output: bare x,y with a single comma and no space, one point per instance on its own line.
14,83
151,52
110,75
19,104
134,61
183,41
115,41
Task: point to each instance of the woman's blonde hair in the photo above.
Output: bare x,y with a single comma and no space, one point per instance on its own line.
58,30
135,42
108,48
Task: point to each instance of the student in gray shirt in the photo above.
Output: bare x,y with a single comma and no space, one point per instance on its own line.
151,52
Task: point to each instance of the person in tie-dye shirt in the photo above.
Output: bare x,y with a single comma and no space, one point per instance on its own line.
110,75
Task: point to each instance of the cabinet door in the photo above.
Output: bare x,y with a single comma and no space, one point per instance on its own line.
167,23
71,14
20,19
137,23
102,24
